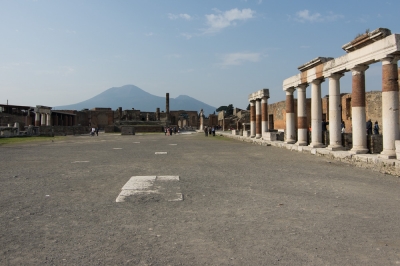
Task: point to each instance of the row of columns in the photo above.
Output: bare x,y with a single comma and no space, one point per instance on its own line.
259,113
390,111
45,119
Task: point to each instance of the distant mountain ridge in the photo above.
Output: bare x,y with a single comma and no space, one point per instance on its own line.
130,96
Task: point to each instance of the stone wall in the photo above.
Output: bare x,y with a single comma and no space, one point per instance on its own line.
63,130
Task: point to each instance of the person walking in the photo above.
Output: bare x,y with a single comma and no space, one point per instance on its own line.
376,128
97,131
369,127
343,127
213,131
206,131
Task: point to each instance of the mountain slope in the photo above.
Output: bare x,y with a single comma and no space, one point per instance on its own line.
130,96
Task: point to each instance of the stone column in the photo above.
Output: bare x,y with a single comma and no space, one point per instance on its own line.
37,119
358,110
264,115
252,119
158,114
48,122
390,107
316,114
56,120
302,125
70,121
290,119
43,120
335,134
167,105
258,118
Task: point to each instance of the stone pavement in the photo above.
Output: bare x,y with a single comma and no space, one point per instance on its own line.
369,161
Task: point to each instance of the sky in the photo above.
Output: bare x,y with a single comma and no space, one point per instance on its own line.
55,52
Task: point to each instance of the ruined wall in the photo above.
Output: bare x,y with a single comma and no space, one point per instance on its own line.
63,130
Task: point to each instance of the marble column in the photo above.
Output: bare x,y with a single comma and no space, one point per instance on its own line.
302,125
358,110
48,121
316,114
290,117
201,121
390,107
37,119
252,119
43,120
264,115
335,133
258,118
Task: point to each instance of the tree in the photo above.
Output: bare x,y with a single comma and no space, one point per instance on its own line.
248,107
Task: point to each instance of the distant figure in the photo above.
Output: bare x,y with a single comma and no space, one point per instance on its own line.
324,123
175,130
376,128
343,127
165,131
369,127
92,132
209,130
213,131
206,131
97,131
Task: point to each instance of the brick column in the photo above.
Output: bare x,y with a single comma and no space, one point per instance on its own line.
390,107
43,120
264,115
290,119
316,114
258,118
252,119
335,135
302,125
358,110
37,119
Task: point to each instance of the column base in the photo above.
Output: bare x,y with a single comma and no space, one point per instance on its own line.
258,136
335,148
301,143
358,151
252,136
316,145
387,154
290,142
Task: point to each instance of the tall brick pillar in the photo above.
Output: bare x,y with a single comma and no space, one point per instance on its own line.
302,125
335,133
252,119
258,118
167,105
290,117
358,110
390,107
316,114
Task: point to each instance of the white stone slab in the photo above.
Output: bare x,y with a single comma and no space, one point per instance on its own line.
161,152
168,177
117,148
80,162
173,144
136,142
139,182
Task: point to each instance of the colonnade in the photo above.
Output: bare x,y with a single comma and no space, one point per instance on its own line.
54,119
382,48
259,113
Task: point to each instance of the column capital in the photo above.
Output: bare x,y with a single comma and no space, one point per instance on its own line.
302,86
290,91
391,59
335,76
359,69
317,81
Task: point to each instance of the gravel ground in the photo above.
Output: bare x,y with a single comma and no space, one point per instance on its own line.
243,205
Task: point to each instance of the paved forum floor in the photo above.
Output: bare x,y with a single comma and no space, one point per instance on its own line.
242,204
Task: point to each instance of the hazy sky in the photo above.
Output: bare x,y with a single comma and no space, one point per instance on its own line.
217,51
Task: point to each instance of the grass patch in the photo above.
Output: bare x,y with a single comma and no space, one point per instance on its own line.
16,140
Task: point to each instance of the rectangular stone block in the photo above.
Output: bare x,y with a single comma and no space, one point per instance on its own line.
271,136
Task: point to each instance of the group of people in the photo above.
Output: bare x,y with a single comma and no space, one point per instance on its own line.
209,131
375,128
370,129
168,131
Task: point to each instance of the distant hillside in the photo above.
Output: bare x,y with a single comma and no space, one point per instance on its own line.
130,96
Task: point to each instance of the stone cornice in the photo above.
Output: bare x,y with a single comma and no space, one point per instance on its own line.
366,39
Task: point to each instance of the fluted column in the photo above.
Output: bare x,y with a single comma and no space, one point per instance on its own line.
316,114
358,110
43,120
390,107
302,126
335,134
252,119
258,118
264,115
290,119
37,119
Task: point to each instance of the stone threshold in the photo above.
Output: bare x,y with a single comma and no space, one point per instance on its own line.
368,161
